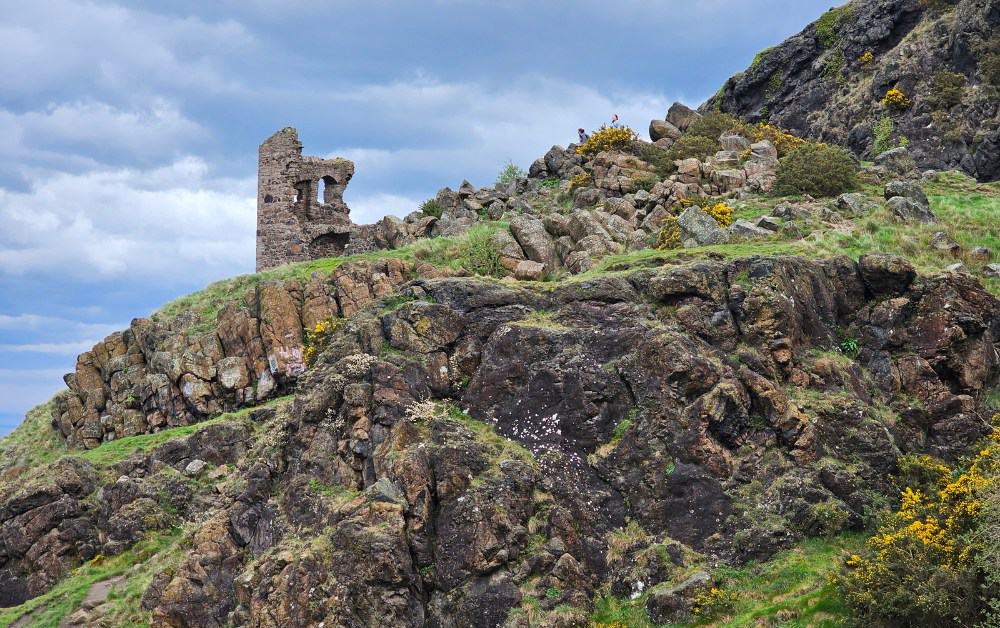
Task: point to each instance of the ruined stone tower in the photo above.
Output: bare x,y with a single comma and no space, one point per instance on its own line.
301,214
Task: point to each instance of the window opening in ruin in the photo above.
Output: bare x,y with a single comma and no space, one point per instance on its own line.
302,192
328,190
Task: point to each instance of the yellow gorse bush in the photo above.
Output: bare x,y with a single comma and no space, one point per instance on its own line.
896,99
670,234
923,558
606,139
713,601
722,213
318,338
581,180
783,141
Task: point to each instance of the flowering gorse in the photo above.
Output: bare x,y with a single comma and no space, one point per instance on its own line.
922,566
896,100
722,213
609,138
317,338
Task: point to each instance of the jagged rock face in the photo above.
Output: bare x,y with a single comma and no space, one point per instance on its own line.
157,375
707,402
821,83
435,523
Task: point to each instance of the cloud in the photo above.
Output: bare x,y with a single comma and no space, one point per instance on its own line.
368,209
141,223
52,348
90,129
450,131
48,45
37,322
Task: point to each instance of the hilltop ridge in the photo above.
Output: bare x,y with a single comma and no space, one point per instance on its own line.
830,81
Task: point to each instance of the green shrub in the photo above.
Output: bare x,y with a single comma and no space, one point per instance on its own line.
692,146
830,517
509,172
882,130
430,207
644,183
714,124
817,170
479,252
947,89
659,158
828,25
989,61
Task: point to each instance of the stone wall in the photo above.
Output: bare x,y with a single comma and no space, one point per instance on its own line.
157,374
301,214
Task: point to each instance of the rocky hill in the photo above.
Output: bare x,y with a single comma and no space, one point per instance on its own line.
830,82
644,383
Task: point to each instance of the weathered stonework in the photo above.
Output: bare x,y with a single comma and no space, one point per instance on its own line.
301,214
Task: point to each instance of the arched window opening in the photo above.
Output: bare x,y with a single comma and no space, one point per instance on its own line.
328,191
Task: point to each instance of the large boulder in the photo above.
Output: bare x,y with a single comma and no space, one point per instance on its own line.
906,189
734,142
908,202
897,161
698,228
661,129
535,241
885,274
682,116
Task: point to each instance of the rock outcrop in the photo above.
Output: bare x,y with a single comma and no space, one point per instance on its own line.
462,447
828,82
164,374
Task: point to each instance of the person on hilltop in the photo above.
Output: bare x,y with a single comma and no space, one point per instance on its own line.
582,134
615,123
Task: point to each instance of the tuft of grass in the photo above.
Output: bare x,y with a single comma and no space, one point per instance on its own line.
35,442
542,319
503,448
793,588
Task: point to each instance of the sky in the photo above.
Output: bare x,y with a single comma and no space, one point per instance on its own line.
129,131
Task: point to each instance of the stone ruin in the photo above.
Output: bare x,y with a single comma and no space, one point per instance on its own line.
301,213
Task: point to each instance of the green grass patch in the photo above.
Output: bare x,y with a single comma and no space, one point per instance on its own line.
503,448
153,553
542,319
791,590
34,442
115,451
470,251
793,587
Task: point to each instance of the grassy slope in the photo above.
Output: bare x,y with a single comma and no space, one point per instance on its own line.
142,562
969,213
159,551
451,253
791,590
